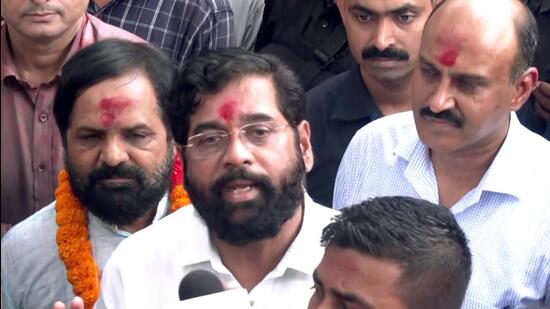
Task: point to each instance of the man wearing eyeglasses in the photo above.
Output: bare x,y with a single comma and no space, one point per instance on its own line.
246,149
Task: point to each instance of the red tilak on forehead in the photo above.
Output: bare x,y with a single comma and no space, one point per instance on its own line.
110,107
449,43
227,110
448,58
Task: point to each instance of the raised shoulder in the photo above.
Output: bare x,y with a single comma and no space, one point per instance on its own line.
105,31
370,152
29,233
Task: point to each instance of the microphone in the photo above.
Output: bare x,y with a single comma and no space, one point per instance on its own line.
199,283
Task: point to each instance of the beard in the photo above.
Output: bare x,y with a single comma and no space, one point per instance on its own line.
273,207
125,203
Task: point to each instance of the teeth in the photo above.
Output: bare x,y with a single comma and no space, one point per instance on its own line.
240,189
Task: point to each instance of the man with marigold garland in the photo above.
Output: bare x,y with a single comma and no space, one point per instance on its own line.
110,108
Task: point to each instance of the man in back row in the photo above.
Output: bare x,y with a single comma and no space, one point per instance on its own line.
384,38
37,38
463,147
181,28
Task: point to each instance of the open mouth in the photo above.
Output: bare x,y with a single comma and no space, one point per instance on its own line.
240,190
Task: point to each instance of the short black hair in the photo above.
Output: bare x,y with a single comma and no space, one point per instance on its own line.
111,59
210,72
424,239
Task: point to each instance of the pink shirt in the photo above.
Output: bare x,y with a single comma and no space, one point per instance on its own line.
32,152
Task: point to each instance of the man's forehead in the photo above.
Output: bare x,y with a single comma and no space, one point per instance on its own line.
470,49
121,98
489,21
357,277
239,101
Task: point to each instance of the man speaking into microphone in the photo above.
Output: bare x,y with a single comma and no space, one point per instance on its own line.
239,118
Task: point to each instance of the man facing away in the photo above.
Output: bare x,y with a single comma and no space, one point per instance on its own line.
461,145
111,111
393,253
37,38
384,38
239,117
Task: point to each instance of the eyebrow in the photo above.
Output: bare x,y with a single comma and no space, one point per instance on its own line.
407,7
249,118
209,125
426,62
138,127
354,298
103,131
216,125
473,78
350,297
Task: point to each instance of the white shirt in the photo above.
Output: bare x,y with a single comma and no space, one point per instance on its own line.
145,271
506,217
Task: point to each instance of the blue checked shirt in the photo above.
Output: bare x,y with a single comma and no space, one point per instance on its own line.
182,28
506,217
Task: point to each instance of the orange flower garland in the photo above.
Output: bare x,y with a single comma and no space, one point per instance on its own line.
178,196
73,241
75,248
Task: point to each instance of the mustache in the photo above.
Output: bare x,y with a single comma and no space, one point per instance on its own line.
447,115
119,171
43,8
388,53
240,173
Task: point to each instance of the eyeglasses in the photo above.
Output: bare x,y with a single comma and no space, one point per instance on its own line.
215,142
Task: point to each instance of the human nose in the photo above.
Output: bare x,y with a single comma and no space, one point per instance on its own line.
384,36
442,99
113,152
237,151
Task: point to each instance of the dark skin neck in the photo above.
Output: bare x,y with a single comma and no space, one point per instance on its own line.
39,60
249,264
390,96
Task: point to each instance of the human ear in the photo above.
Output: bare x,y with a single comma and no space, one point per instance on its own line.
304,132
524,87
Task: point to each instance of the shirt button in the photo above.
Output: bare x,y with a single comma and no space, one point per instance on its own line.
43,117
324,24
41,167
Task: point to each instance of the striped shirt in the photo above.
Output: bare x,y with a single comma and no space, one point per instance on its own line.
506,217
182,28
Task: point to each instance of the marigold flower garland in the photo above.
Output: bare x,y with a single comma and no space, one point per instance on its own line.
178,195
73,241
